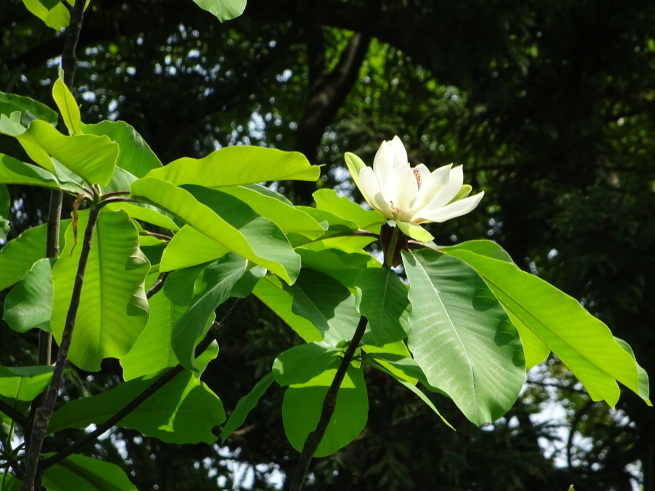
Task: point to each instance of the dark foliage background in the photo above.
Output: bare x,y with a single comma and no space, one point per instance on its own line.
550,106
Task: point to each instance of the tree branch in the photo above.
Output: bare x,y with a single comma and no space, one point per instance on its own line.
14,414
329,404
213,334
44,413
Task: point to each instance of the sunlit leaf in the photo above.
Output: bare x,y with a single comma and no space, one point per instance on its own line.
328,200
24,383
189,247
67,105
228,221
52,12
78,472
113,309
234,166
135,155
14,171
223,9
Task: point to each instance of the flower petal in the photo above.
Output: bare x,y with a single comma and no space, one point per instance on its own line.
399,152
442,213
370,188
383,166
403,191
432,186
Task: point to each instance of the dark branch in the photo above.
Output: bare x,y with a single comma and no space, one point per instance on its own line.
329,404
157,285
14,414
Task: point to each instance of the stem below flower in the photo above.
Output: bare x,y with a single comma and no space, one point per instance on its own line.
391,250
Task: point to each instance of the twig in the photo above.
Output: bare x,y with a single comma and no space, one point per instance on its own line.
14,414
214,333
157,285
44,413
329,404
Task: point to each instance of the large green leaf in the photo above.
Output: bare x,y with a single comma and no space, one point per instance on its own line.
228,221
91,157
270,290
327,304
145,214
233,166
461,336
18,255
328,200
79,472
29,109
301,363
113,309
52,12
223,9
342,266
303,404
383,299
5,209
135,155
268,204
583,343
189,247
14,171
24,383
67,105
211,289
185,410
29,304
246,404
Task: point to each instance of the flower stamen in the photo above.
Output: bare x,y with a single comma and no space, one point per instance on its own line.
417,175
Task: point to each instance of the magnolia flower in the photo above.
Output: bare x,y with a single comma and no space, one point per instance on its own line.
411,196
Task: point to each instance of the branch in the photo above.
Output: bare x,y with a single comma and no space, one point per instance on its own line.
13,413
214,333
157,285
44,413
329,404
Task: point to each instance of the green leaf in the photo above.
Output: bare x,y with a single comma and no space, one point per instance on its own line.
461,336
81,472
398,361
67,105
52,12
24,383
418,393
135,155
19,254
14,171
189,247
383,299
270,290
91,157
29,304
185,410
415,231
328,200
246,404
303,404
301,363
211,289
28,108
327,304
234,166
113,308
582,342
12,125
344,267
291,220
7,481
145,214
355,165
485,248
644,388
223,9
228,221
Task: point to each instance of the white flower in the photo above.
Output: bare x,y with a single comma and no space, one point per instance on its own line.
411,196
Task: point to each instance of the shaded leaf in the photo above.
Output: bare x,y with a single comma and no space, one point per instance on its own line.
24,383
29,109
303,404
301,363
29,304
14,171
246,404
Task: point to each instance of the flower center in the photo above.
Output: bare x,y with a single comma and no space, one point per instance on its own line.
417,175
